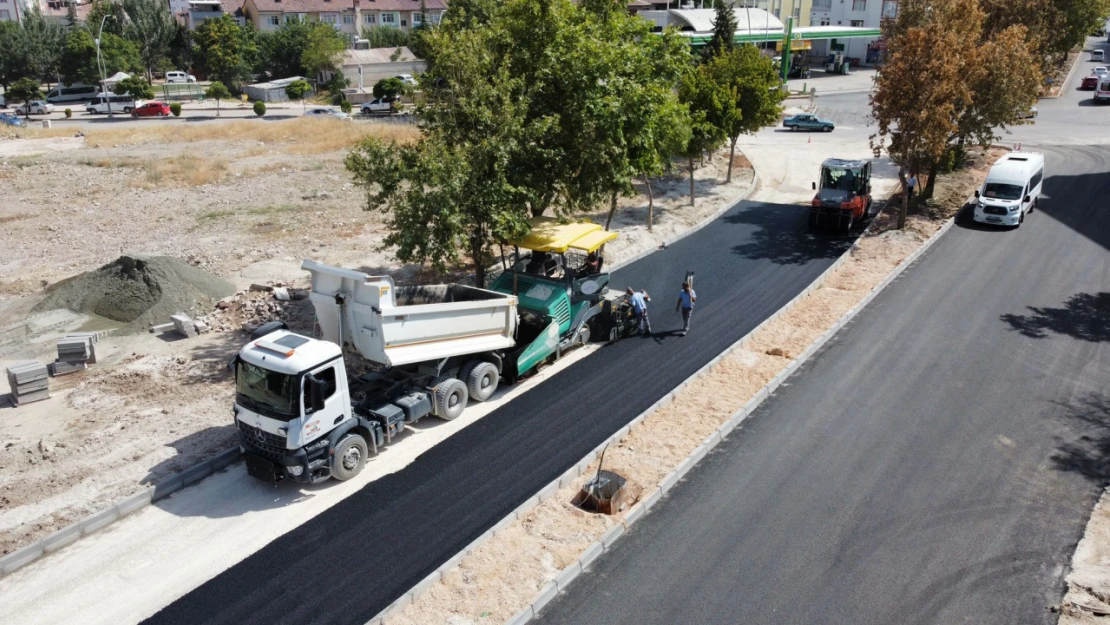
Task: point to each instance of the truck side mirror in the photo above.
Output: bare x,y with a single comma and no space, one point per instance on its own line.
313,394
976,193
814,186
1027,198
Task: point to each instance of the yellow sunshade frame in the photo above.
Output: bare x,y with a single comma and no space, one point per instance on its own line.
548,235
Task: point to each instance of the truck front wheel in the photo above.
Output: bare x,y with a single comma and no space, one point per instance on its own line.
450,397
350,456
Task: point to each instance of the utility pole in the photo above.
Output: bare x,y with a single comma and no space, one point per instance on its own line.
100,65
786,53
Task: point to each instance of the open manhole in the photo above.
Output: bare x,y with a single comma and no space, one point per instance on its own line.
604,493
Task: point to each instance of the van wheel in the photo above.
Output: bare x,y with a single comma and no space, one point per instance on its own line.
481,379
349,458
449,398
127,111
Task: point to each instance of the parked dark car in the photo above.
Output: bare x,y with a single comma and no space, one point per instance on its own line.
808,122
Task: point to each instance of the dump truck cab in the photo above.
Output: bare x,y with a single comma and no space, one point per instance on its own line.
556,273
843,198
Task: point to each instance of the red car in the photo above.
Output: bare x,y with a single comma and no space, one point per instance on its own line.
1090,83
151,109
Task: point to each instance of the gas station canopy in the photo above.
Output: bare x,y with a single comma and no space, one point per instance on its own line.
753,26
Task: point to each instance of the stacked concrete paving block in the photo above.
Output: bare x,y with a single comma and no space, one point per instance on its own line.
29,382
183,324
75,353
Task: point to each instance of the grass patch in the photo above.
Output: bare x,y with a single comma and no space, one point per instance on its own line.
214,215
182,171
7,219
299,136
273,209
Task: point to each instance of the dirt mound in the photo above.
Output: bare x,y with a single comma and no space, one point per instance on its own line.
138,290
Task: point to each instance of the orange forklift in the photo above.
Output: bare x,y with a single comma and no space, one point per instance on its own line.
844,197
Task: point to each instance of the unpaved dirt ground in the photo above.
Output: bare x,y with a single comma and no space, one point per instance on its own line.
244,200
1087,601
503,575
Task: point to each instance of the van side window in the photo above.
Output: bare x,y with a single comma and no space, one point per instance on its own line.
1037,177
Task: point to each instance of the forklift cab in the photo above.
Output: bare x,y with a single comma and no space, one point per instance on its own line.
843,198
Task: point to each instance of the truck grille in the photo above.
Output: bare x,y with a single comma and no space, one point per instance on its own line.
995,210
261,442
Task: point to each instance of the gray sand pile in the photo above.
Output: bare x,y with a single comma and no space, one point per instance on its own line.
139,291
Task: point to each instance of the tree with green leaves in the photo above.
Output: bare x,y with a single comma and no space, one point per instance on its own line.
153,30
283,48
389,88
136,87
336,87
79,57
709,102
753,103
298,90
217,91
24,90
223,50
44,39
180,53
385,36
324,52
13,62
111,13
724,30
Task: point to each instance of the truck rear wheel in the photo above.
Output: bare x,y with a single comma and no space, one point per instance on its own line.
481,379
450,397
350,457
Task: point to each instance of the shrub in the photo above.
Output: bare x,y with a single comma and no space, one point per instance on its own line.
175,108
260,108
345,106
69,113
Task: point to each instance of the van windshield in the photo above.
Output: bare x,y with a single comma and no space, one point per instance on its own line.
1000,191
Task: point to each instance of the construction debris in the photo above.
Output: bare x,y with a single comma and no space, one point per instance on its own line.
29,381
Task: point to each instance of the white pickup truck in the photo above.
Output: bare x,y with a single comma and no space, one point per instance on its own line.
380,106
433,349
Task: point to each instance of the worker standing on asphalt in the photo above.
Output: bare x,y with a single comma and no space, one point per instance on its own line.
639,308
686,299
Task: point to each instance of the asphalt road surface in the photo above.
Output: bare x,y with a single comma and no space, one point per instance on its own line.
935,463
351,561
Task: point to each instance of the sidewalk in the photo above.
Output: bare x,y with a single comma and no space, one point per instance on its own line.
858,81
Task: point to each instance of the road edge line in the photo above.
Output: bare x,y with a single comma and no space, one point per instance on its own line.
700,452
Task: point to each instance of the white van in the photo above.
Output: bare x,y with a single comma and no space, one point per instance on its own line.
120,104
1098,55
76,92
1011,189
180,77
1102,91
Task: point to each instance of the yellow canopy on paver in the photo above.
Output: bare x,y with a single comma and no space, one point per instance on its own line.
548,235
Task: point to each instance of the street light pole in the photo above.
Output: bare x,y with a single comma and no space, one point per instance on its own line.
100,65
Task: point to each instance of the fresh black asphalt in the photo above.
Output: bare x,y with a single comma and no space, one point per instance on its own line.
354,559
935,463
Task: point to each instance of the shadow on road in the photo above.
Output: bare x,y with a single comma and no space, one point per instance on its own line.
794,245
1089,454
1085,316
1086,195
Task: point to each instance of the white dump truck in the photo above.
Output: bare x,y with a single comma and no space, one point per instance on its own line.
433,348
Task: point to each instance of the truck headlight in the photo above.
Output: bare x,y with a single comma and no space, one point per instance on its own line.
295,470
981,205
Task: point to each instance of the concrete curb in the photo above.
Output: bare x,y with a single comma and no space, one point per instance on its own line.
99,520
638,511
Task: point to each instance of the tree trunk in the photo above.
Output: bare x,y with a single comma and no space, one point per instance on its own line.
217,107
651,202
731,155
905,199
612,210
479,261
691,181
931,185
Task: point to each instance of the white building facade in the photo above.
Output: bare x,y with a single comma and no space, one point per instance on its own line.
858,14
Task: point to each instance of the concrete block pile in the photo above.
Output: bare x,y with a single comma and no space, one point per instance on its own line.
75,353
29,381
183,325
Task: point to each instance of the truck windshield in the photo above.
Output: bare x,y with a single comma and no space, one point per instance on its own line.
1000,191
272,394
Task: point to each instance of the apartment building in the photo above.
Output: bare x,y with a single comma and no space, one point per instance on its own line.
199,10
349,16
858,13
798,9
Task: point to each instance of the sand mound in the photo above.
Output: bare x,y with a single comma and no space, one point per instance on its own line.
138,290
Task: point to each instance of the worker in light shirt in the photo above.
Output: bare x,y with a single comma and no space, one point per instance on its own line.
686,299
639,301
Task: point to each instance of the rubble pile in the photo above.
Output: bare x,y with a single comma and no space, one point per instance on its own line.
246,310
